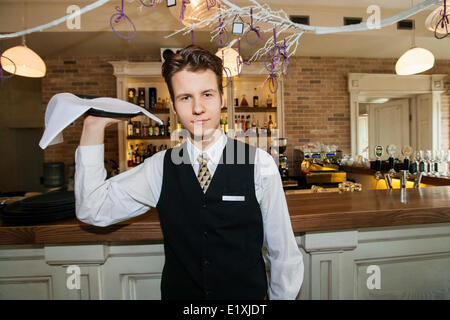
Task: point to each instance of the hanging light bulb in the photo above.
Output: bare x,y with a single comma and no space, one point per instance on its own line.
230,61
194,11
27,63
415,60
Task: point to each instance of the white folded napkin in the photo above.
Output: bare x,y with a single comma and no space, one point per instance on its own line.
65,108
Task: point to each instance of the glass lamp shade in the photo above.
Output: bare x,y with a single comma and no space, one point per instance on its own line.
27,62
415,60
194,12
230,58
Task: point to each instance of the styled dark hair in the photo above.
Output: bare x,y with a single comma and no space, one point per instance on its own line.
192,58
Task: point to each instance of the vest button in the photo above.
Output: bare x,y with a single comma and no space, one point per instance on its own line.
205,234
206,262
204,205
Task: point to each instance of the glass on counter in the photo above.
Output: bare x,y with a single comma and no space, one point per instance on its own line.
348,186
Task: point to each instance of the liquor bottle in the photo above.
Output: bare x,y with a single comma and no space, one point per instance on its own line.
130,128
225,127
179,127
247,122
159,103
132,95
156,130
243,124
137,128
141,97
168,127
130,155
162,129
244,102
255,99
136,155
221,124
253,123
152,97
236,102
150,128
269,101
270,125
167,103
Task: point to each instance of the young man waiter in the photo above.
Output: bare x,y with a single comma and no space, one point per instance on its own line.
219,200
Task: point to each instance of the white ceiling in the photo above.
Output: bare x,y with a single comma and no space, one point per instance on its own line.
95,36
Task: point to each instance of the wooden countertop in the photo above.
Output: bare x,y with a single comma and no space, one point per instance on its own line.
308,212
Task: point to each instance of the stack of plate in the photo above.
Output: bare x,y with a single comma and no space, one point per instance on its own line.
48,207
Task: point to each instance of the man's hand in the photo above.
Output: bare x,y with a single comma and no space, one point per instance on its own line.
94,129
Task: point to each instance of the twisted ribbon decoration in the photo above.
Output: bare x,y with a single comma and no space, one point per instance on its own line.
226,70
252,29
3,77
239,60
222,30
276,60
210,3
183,7
443,22
119,16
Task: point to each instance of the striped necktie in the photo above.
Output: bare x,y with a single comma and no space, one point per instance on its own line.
204,176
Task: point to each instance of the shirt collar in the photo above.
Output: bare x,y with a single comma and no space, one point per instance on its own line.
213,151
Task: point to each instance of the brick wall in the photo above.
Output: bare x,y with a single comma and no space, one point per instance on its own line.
317,102
316,98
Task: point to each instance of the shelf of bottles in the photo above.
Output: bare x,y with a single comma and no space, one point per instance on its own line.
146,137
255,109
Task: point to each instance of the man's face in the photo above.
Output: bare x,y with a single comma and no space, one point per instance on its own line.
197,102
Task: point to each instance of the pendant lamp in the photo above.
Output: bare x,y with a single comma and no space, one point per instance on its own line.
230,60
415,60
27,62
194,11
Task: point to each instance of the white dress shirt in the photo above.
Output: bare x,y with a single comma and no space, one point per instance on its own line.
103,202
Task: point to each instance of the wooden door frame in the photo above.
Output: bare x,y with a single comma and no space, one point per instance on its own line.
374,85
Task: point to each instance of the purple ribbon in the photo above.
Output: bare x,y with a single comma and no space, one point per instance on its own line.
272,62
3,77
222,31
119,16
239,60
443,22
183,7
252,29
226,70
210,3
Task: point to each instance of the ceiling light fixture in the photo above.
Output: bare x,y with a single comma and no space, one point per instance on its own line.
27,63
194,11
415,60
21,60
230,59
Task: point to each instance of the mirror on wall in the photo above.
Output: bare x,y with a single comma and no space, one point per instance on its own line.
389,109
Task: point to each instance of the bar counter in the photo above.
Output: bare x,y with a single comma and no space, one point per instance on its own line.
309,212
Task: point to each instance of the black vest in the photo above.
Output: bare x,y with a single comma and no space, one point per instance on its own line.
212,247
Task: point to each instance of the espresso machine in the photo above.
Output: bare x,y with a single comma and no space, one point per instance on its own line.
318,165
278,148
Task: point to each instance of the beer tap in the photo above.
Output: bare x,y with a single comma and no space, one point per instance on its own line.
391,150
378,154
